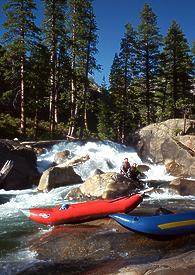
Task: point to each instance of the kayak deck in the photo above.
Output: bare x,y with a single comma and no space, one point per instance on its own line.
163,225
83,211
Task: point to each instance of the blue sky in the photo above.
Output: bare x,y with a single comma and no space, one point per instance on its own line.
112,15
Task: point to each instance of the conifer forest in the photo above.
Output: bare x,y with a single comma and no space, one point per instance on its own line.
47,85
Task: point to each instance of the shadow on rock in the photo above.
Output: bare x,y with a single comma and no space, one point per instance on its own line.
88,247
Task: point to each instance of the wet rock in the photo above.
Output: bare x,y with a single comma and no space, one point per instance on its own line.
183,186
76,195
108,185
161,143
98,172
61,157
175,168
24,173
75,161
104,247
58,176
61,175
143,168
179,265
178,161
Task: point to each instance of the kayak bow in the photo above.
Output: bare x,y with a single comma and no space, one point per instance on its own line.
163,225
83,211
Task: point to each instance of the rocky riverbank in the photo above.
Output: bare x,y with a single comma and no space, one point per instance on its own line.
104,247
166,142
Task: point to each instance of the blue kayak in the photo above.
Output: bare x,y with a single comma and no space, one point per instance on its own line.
163,225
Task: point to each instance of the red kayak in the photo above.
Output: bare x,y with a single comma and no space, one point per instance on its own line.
83,211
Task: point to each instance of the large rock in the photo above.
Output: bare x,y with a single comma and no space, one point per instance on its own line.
179,159
175,168
179,265
160,143
24,173
61,175
108,185
58,176
105,247
183,186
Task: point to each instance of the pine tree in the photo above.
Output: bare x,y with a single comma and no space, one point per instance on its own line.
148,57
116,92
37,82
64,83
6,96
105,115
20,35
177,70
122,73
83,50
163,109
193,49
127,58
54,33
193,59
193,77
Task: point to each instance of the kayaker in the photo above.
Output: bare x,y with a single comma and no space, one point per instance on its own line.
125,168
134,172
5,169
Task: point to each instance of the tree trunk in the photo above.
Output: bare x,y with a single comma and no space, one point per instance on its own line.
53,94
184,122
22,81
22,91
36,121
86,85
74,105
123,130
147,87
164,98
174,85
124,100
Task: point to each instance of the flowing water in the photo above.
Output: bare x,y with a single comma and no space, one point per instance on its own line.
16,231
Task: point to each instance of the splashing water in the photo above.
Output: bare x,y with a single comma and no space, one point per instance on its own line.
104,155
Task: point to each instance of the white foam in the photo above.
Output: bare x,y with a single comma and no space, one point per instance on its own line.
158,172
32,199
104,155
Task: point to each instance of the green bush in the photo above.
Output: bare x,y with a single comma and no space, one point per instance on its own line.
9,126
10,129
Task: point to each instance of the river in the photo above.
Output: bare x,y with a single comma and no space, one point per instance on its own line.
16,231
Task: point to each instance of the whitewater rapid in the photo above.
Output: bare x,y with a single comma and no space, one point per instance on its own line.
104,155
